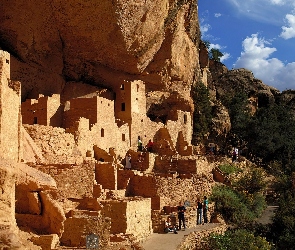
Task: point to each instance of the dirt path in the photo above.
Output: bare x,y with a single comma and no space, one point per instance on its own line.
266,217
170,241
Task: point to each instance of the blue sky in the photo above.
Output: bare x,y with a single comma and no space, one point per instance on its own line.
255,34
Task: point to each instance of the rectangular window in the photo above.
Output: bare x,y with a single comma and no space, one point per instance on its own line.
123,137
123,106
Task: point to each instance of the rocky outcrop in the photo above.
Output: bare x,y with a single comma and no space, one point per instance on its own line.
34,205
229,82
8,229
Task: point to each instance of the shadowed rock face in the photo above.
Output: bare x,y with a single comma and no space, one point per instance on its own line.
101,43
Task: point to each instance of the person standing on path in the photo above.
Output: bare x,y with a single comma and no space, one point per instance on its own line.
205,209
199,212
181,209
139,144
128,162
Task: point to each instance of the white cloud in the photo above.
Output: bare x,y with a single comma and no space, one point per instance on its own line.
278,2
205,28
217,15
267,11
215,46
256,56
225,57
289,32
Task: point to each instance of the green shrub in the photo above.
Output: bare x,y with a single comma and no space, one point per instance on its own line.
252,181
202,116
229,168
237,207
283,228
239,239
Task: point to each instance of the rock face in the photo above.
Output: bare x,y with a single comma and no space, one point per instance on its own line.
229,82
101,42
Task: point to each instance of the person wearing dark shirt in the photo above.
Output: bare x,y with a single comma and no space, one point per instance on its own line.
199,212
181,209
205,209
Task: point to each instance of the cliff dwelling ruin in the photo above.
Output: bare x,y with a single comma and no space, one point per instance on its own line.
72,109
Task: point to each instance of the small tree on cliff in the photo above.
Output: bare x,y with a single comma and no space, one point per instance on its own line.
202,114
214,53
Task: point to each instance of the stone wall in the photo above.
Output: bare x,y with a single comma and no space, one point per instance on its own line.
130,98
56,145
130,216
106,175
175,164
73,181
82,223
182,123
194,241
83,107
175,188
138,216
48,219
144,186
10,117
105,134
46,110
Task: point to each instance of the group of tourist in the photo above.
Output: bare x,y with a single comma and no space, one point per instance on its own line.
201,212
202,209
141,149
148,147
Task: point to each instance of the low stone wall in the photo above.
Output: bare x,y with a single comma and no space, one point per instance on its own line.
82,223
195,240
